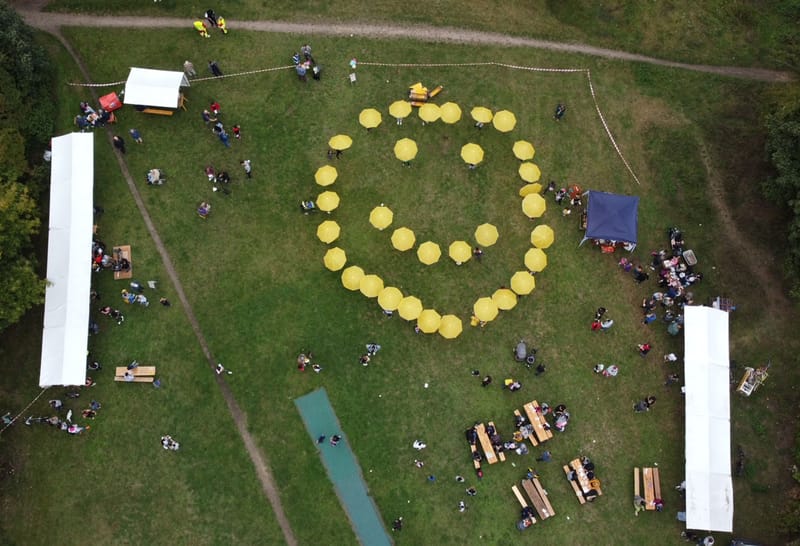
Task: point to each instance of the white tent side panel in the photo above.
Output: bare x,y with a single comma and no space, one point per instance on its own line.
159,88
709,487
69,251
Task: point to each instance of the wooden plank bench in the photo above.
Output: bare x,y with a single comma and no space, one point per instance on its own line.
486,444
500,454
123,251
535,418
519,496
158,111
141,370
531,437
136,379
543,495
536,499
476,463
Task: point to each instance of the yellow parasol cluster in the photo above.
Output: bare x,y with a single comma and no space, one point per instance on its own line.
391,298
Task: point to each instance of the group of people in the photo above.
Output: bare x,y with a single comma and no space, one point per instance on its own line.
89,118
303,62
304,361
212,20
101,260
66,424
168,443
372,350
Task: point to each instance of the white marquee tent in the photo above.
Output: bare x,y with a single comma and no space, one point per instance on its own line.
69,267
709,489
159,88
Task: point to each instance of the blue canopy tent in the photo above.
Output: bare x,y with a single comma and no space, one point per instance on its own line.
612,217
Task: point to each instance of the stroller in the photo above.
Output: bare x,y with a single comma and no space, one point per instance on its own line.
523,354
156,177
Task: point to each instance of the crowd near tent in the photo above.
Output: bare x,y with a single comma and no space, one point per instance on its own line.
159,88
612,217
709,489
69,266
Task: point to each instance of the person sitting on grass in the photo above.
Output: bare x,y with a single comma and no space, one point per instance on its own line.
204,210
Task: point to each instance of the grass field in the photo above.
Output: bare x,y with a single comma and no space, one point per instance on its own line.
738,33
254,276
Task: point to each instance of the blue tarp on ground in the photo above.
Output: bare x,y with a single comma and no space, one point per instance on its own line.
343,469
612,217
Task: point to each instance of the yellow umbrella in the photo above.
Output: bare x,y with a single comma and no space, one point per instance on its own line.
528,189
429,253
451,112
405,149
523,283
504,121
403,239
325,176
370,285
481,114
410,308
328,231
530,172
335,258
390,298
328,201
542,236
486,234
534,205
429,321
400,109
429,112
523,150
472,153
351,277
535,259
381,217
485,309
504,298
450,327
340,142
369,118
460,252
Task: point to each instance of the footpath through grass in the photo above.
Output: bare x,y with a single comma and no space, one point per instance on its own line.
254,274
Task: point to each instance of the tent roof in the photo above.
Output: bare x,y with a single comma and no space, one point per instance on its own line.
612,217
148,87
69,270
709,488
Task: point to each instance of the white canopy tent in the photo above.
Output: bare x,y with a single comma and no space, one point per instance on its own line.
159,88
709,489
69,266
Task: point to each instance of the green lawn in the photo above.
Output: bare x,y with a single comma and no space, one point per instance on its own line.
254,276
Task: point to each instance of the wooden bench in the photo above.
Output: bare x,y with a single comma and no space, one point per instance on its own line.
475,462
136,379
531,437
141,370
182,100
500,454
538,421
652,486
519,496
123,251
486,444
158,111
436,91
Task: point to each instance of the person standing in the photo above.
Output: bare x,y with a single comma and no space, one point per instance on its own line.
213,66
211,17
301,72
188,69
561,109
247,168
119,143
136,136
223,136
222,25
200,27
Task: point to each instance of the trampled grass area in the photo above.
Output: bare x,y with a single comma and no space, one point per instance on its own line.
716,32
254,275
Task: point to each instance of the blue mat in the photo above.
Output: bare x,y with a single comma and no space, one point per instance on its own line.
343,469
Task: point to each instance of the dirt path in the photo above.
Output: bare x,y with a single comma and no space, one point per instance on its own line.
30,10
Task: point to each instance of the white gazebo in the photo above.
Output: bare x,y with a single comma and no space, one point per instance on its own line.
709,488
69,264
157,88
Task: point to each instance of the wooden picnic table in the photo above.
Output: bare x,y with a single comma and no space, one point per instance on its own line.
538,497
582,485
652,486
486,444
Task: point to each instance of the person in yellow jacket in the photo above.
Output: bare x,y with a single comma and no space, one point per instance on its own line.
200,26
221,24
